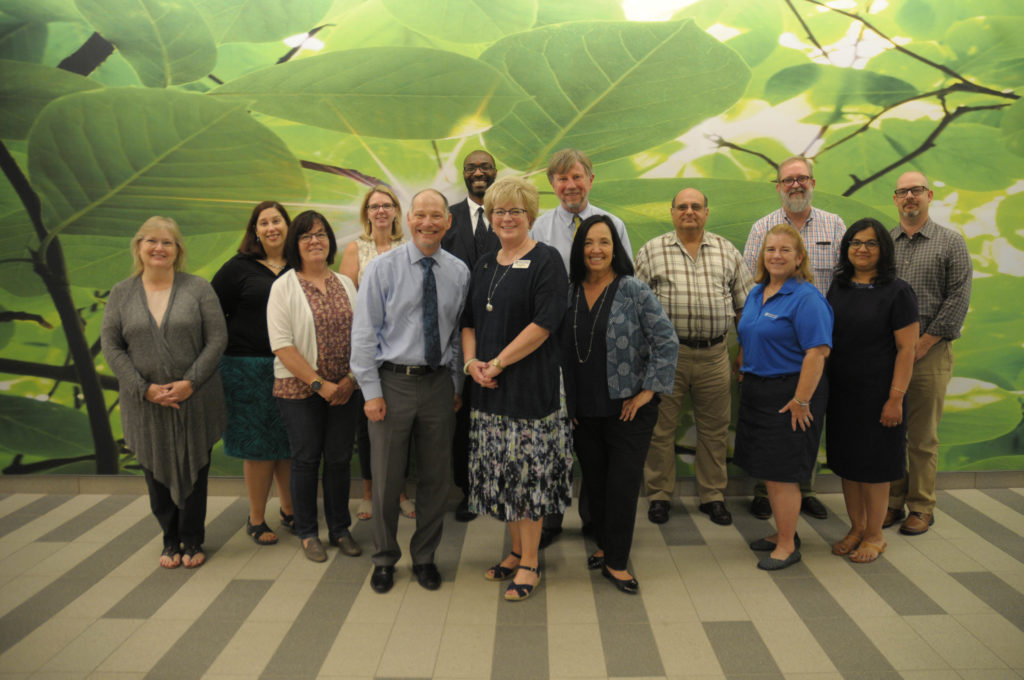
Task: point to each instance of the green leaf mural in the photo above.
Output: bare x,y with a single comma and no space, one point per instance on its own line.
26,88
260,20
470,21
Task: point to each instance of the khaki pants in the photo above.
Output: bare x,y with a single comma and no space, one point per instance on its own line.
922,411
705,375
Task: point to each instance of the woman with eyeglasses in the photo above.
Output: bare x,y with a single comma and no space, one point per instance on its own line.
309,321
381,217
520,457
876,328
163,334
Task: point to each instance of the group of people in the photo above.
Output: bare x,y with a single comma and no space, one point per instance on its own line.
494,343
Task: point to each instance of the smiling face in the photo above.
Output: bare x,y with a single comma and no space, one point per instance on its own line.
314,246
910,206
797,195
512,229
380,210
572,187
271,229
689,215
598,249
158,250
478,172
781,256
864,251
428,221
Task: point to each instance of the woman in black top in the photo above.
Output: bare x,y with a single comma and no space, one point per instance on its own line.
255,432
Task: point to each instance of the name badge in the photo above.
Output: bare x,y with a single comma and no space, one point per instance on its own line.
771,316
521,264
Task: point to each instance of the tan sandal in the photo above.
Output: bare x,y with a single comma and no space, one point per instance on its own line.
847,545
867,552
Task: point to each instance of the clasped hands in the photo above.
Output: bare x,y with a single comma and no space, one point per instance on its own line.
171,394
484,374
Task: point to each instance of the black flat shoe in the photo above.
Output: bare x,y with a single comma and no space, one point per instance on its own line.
769,563
595,561
628,586
765,544
427,575
382,579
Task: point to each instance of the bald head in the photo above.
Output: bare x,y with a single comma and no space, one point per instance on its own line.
690,214
912,197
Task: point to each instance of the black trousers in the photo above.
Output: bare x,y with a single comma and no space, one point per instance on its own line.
185,525
612,454
460,441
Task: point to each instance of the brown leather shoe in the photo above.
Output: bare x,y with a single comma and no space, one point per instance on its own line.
892,515
917,523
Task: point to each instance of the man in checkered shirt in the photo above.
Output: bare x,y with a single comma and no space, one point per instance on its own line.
935,262
821,231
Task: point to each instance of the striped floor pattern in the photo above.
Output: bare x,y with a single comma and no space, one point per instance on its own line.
81,596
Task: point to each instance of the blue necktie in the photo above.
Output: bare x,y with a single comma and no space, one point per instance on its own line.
431,333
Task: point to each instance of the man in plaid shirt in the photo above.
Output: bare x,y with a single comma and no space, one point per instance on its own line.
821,231
935,262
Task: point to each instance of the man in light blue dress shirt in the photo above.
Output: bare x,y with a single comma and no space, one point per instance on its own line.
408,395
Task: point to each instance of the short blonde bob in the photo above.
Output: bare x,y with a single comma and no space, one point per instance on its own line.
513,190
150,227
803,272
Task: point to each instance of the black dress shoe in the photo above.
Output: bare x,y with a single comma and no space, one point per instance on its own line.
463,513
595,561
628,586
813,507
717,512
658,512
760,507
382,579
427,575
547,536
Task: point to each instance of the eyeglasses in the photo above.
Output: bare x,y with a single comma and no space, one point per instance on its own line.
916,191
318,236
514,212
790,181
871,244
152,243
374,207
483,167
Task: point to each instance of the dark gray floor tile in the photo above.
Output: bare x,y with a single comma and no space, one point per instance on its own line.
520,651
681,529
898,591
205,639
629,649
740,650
996,593
981,524
309,639
29,512
1007,497
79,524
616,606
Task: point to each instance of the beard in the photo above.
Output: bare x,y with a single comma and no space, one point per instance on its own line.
911,212
798,202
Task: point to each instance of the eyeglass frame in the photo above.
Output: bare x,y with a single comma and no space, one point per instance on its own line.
913,191
790,181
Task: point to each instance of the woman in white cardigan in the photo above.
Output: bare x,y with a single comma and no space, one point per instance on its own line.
309,321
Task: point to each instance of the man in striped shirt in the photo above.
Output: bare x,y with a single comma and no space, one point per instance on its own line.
702,283
821,231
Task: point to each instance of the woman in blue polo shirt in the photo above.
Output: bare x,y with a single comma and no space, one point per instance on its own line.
785,334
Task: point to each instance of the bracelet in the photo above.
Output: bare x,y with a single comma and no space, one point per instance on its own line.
465,366
893,387
497,364
805,404
352,376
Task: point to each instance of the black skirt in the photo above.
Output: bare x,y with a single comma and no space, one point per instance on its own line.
767,447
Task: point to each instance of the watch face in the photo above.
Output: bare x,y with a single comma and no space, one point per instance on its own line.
316,385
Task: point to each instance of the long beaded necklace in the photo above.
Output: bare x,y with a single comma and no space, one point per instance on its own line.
593,326
493,287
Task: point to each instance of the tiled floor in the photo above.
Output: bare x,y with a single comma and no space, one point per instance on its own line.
81,596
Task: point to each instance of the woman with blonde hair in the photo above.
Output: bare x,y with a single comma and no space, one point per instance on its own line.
163,335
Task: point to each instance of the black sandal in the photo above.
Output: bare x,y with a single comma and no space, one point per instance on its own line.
500,573
257,531
521,591
288,521
171,551
191,552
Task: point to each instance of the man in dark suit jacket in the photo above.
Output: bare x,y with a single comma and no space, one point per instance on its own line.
470,237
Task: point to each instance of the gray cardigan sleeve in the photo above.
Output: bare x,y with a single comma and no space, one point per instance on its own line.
215,333
114,346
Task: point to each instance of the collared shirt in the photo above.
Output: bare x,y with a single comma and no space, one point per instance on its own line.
556,229
475,213
388,323
936,264
701,296
775,335
821,233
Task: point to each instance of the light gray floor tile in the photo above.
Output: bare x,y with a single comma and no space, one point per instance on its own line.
981,524
1007,497
85,521
29,512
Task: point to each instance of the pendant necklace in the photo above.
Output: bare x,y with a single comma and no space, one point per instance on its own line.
493,287
275,267
593,326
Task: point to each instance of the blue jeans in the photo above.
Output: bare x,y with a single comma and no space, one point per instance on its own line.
317,430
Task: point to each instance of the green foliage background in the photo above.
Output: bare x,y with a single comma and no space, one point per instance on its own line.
197,110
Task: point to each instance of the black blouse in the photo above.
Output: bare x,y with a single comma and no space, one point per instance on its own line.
587,352
243,287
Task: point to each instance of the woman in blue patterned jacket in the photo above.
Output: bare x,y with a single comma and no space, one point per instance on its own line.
619,351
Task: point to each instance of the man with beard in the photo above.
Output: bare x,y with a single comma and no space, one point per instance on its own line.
469,237
821,232
935,262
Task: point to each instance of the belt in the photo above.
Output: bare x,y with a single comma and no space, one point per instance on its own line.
408,370
701,344
786,376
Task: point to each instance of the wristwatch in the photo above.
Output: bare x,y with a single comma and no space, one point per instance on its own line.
316,384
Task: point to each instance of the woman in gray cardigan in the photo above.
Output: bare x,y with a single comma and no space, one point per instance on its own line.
163,335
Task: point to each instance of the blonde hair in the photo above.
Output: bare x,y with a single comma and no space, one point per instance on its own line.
364,213
513,190
803,271
150,227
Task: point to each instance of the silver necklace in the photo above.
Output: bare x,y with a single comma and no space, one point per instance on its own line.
493,287
275,267
593,326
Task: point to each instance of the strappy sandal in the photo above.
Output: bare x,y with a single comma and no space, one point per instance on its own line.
258,531
847,545
191,552
521,591
174,553
500,573
288,521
